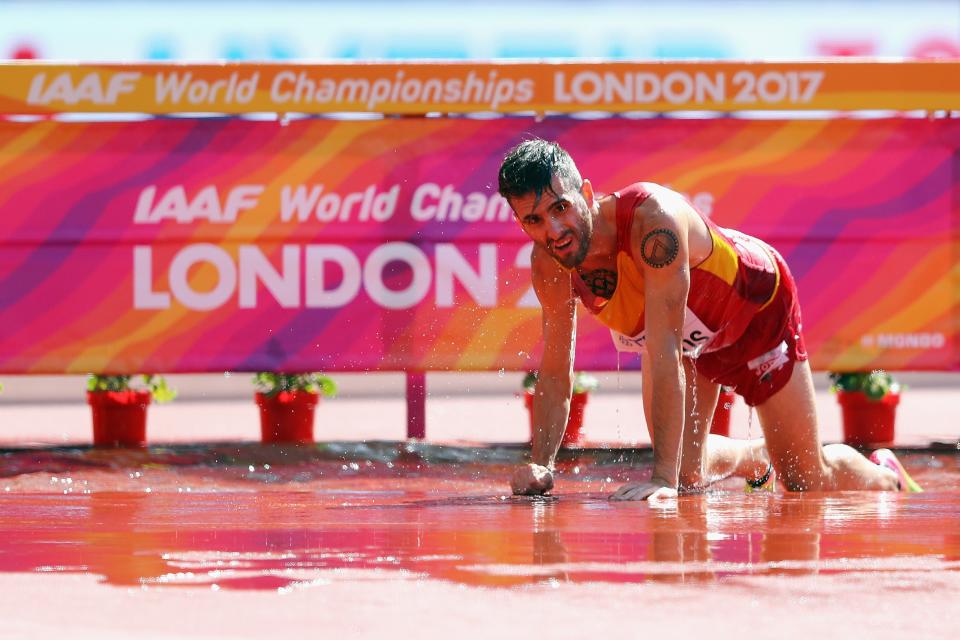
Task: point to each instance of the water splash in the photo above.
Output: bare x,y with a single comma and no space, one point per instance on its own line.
695,418
617,407
694,407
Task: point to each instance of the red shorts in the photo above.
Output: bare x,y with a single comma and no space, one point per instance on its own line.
760,363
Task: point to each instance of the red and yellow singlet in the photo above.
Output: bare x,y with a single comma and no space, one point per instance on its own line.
742,322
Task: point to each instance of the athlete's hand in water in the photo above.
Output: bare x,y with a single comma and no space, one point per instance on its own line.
531,480
652,490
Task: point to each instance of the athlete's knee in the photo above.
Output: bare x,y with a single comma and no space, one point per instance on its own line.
793,477
800,484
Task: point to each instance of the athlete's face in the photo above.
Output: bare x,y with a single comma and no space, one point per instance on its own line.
559,220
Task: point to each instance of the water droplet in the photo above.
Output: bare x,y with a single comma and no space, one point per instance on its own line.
226,374
214,587
500,372
250,469
267,467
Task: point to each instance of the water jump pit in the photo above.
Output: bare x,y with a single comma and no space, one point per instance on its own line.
242,540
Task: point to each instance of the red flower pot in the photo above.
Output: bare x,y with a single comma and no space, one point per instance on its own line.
868,422
572,434
720,424
119,418
287,417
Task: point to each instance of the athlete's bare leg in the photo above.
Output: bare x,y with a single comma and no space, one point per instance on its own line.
708,458
789,422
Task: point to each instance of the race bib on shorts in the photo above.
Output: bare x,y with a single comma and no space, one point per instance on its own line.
770,361
696,337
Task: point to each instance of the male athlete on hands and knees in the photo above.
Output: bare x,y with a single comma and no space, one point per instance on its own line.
704,305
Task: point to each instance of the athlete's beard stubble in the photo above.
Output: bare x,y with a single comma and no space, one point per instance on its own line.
582,235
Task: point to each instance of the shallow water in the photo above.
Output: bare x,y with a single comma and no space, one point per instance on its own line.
247,517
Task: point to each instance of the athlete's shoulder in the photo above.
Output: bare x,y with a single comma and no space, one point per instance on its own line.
660,220
649,197
639,189
661,200
634,201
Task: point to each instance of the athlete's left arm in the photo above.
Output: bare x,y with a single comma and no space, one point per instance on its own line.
660,251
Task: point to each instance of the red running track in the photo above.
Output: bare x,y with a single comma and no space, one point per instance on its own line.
377,540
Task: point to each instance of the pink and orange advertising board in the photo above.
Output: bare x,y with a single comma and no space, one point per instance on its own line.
465,87
224,244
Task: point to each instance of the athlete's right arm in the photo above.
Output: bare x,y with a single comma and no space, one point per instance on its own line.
551,399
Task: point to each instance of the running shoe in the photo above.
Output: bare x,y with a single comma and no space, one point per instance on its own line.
766,482
886,458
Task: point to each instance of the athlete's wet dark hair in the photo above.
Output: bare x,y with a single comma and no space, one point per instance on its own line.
530,167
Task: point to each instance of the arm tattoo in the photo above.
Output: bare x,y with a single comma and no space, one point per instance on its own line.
659,248
603,282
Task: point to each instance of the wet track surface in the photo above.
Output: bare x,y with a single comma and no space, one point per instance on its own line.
246,517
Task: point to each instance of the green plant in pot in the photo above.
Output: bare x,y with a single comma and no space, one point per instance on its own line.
583,384
119,405
287,403
868,402
873,384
